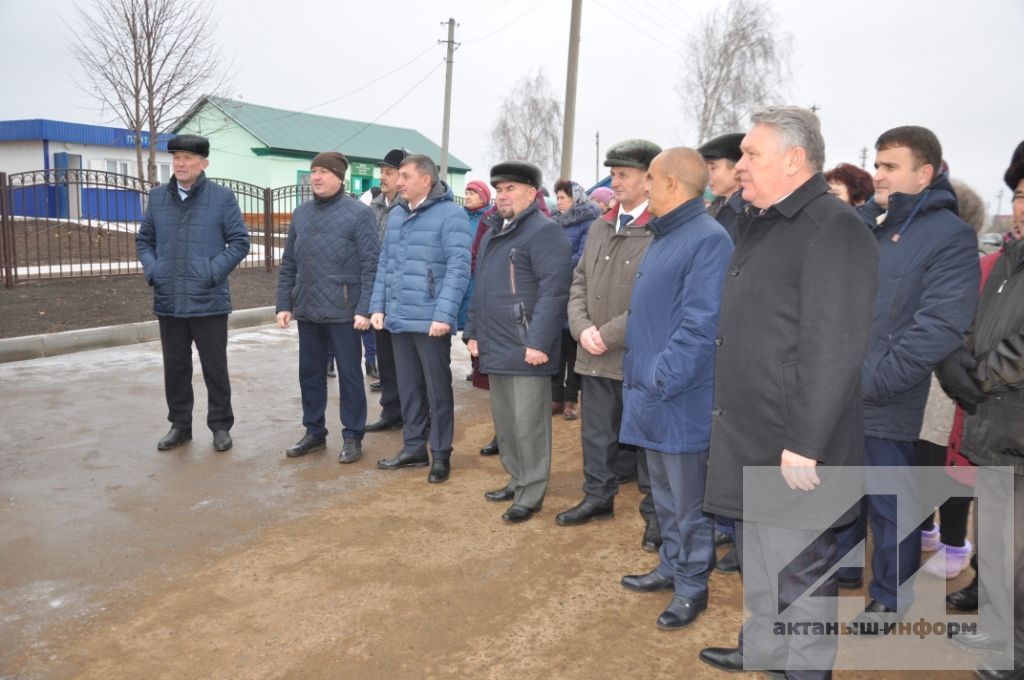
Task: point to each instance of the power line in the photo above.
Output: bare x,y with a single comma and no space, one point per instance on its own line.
348,94
658,23
507,24
396,103
641,30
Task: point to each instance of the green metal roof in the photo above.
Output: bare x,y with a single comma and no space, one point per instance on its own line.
306,134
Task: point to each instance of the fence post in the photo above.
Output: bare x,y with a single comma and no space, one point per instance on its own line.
268,227
6,233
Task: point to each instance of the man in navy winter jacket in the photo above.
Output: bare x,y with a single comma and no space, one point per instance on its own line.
927,289
325,280
192,236
523,271
668,376
422,276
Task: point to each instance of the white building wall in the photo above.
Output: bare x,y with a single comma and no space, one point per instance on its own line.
21,156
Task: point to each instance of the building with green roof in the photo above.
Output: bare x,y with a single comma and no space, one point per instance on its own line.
273,147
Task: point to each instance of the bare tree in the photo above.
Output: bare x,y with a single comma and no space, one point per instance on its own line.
736,61
146,61
529,125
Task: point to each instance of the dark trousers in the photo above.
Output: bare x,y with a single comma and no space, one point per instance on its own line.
687,550
773,580
565,385
315,339
390,403
954,512
424,370
210,334
892,561
602,416
369,337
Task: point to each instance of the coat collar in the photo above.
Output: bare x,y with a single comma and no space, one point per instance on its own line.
804,194
678,216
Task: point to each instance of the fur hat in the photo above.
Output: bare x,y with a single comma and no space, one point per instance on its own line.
722,146
190,143
516,171
333,161
1015,173
632,153
481,189
393,159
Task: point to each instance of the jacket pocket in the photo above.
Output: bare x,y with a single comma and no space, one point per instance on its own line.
521,320
431,284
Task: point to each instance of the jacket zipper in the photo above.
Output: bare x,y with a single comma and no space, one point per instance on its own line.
512,269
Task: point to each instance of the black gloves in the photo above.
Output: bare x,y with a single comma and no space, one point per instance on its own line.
956,375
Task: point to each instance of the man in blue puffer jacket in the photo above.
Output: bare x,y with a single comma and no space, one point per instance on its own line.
192,236
927,290
421,279
325,280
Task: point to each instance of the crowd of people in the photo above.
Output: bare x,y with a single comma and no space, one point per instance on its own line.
717,311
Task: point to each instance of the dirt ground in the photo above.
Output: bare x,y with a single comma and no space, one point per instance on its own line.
123,562
52,305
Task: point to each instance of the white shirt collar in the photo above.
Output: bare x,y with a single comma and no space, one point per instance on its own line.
634,213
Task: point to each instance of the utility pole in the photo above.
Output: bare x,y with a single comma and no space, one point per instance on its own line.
814,108
447,99
597,157
569,119
999,202
863,157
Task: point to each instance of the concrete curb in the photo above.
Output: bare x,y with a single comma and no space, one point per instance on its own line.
52,344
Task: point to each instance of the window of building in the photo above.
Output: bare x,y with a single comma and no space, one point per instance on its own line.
163,171
120,167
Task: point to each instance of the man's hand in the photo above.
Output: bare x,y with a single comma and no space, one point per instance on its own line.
591,341
283,319
377,321
798,471
535,357
474,351
439,329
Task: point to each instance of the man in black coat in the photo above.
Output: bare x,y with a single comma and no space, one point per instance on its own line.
721,154
325,281
793,331
523,272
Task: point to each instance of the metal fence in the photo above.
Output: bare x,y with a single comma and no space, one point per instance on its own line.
77,223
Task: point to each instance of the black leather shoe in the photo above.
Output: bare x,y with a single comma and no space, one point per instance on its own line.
850,583
174,438
681,612
978,643
221,440
730,564
376,386
518,513
721,538
731,660
652,537
647,583
305,445
491,449
351,451
439,471
986,672
502,494
371,369
965,599
404,459
382,424
872,620
584,512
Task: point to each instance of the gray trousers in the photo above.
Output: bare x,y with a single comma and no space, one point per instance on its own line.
424,372
687,550
521,409
601,414
773,581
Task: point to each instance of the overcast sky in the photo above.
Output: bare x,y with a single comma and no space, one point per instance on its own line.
869,65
